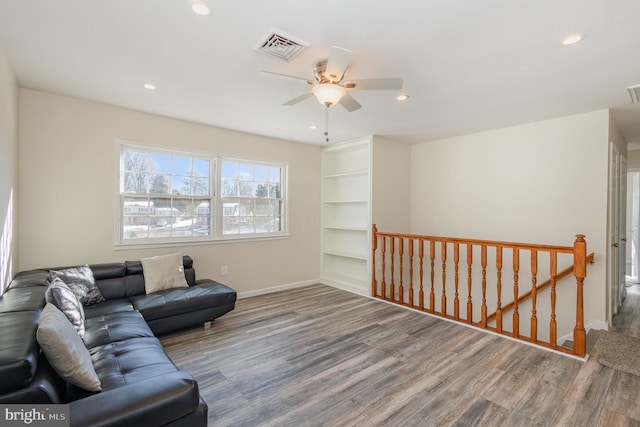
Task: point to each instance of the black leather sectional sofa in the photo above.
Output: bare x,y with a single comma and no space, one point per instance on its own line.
140,384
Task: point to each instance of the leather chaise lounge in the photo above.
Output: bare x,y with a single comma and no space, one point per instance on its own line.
140,385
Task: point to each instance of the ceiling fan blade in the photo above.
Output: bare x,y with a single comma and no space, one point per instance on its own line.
349,103
375,84
298,99
337,63
285,77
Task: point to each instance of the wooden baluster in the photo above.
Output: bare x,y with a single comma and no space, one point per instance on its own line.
469,280
444,278
456,300
411,243
553,271
499,289
516,315
392,285
534,295
432,295
483,309
580,271
400,253
374,246
384,263
421,256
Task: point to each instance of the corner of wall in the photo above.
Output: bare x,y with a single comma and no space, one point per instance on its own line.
8,171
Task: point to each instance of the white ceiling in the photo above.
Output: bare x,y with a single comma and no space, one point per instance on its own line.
468,65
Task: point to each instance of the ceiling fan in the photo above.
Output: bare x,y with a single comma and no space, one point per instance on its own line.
330,87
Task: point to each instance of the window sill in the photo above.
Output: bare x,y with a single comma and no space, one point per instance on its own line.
224,240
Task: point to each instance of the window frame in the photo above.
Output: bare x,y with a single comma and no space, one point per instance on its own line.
215,198
284,216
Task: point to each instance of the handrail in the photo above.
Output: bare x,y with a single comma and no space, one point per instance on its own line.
413,270
561,275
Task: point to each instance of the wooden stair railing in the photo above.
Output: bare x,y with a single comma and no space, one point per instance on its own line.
561,275
395,263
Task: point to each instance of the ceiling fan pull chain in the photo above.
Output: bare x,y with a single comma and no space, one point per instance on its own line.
326,122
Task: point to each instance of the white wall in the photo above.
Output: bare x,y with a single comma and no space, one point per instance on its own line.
391,185
8,172
68,175
542,182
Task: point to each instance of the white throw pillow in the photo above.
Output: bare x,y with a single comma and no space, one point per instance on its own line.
163,272
64,349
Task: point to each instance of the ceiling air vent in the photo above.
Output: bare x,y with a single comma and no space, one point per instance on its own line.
634,91
281,45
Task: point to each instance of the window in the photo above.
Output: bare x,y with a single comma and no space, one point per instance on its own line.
252,201
170,196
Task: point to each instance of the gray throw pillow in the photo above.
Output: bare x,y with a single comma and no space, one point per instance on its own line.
66,301
82,283
65,351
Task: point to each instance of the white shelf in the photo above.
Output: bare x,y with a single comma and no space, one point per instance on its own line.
346,214
345,228
346,254
346,174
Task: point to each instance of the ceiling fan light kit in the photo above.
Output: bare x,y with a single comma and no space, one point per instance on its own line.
328,94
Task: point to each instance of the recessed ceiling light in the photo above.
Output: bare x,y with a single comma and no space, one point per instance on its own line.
313,127
572,39
200,8
150,86
402,97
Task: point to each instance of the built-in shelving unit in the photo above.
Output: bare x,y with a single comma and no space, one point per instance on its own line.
346,214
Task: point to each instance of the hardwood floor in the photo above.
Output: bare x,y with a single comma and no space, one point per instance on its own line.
319,356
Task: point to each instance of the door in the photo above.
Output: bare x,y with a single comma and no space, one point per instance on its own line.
622,289
613,228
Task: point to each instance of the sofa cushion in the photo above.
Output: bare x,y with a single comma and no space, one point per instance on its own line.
66,301
173,302
26,298
65,350
19,355
163,272
127,362
30,278
106,307
120,326
81,281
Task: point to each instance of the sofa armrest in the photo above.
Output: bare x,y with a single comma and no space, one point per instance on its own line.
153,402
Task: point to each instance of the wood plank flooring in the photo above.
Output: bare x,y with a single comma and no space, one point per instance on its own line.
319,356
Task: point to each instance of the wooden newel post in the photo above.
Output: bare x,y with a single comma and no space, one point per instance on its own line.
580,271
374,247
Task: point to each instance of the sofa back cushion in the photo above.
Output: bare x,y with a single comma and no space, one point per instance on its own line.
123,280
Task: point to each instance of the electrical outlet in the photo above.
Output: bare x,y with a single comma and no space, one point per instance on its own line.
224,270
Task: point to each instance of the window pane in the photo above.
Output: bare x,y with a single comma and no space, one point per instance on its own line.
229,188
160,163
202,208
262,189
261,173
262,208
201,167
135,182
229,170
245,225
135,161
245,172
136,206
181,185
158,184
246,207
274,191
200,186
246,189
160,206
275,174
181,165
135,228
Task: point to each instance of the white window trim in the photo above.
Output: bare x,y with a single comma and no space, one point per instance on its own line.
216,218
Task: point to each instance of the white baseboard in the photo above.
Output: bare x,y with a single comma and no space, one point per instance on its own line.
346,286
277,288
